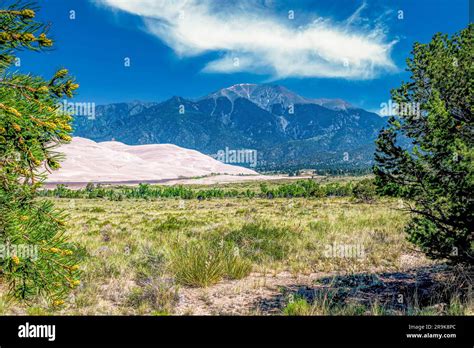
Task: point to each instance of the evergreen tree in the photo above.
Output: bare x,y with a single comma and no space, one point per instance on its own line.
434,169
36,257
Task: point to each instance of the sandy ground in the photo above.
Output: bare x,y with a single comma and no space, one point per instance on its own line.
267,294
257,294
108,162
114,163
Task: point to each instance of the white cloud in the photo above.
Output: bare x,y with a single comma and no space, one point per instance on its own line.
253,39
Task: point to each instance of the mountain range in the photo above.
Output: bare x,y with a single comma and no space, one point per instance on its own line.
285,129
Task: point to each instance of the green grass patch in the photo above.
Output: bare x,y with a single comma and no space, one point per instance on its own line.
260,241
201,264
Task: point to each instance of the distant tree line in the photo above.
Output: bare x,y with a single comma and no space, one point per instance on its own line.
363,189
323,169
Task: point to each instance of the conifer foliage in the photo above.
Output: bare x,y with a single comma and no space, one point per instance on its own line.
435,168
36,258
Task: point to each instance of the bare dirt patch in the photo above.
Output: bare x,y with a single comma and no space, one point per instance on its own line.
396,292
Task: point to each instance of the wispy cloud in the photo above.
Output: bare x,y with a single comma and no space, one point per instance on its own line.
252,38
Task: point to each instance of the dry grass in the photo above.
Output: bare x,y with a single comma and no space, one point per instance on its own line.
140,254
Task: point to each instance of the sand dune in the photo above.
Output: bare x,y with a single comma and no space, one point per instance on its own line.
88,161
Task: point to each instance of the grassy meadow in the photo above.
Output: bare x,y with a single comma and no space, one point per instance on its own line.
250,255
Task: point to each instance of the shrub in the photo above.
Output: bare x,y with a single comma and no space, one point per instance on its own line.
365,190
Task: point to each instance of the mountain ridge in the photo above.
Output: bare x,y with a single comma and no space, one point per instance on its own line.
266,95
285,128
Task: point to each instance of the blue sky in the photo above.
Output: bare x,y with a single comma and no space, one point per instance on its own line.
354,50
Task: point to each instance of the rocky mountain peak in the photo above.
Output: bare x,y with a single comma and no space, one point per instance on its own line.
267,95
